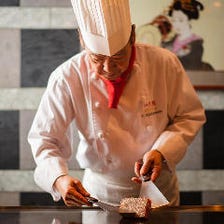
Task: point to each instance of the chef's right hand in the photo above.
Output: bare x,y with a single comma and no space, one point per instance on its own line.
149,167
72,191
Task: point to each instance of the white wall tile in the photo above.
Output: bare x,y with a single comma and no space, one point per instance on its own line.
212,100
201,180
37,18
17,17
20,98
26,157
63,18
194,155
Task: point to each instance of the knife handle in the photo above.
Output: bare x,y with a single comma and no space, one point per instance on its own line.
147,176
91,200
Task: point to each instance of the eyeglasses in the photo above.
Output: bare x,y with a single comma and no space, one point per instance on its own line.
117,58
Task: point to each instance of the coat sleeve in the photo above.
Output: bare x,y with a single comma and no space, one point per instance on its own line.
48,136
185,112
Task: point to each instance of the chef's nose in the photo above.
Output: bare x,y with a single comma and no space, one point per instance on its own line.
108,64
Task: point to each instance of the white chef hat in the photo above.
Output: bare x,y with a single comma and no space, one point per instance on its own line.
105,25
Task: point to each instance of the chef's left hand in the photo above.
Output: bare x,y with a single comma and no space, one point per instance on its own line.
150,164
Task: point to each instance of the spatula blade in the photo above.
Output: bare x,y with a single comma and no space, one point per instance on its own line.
150,190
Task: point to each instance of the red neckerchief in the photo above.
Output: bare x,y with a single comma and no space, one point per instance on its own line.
116,87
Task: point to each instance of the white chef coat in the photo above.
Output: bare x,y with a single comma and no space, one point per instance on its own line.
158,109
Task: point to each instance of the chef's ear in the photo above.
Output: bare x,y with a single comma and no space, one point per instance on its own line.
133,35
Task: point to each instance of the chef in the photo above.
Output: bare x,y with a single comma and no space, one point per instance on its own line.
133,105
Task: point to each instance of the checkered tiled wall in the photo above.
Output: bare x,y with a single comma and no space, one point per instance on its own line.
35,37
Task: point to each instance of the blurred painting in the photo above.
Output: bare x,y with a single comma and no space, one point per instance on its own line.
192,29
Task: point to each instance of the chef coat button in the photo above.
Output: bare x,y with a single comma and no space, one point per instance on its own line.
109,160
94,76
97,104
100,135
143,98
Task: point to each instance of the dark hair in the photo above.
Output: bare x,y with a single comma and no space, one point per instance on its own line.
189,7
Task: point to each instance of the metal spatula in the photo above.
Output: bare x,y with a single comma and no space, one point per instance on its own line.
109,207
105,206
150,190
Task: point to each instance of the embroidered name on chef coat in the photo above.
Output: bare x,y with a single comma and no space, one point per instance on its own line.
150,108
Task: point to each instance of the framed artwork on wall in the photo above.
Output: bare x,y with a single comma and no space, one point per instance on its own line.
193,30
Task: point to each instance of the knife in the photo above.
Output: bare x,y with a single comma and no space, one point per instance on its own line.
151,191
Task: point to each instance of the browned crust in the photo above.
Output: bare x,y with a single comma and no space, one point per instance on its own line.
140,206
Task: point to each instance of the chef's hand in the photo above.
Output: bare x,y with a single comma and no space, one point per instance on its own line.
72,191
151,164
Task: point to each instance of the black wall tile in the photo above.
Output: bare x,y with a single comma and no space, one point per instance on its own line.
8,218
190,198
9,140
213,140
9,2
38,199
43,51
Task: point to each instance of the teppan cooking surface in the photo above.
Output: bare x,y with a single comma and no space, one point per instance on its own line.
62,215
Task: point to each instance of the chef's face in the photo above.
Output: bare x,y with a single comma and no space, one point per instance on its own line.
113,66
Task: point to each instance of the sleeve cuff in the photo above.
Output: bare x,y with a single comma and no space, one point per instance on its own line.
47,172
